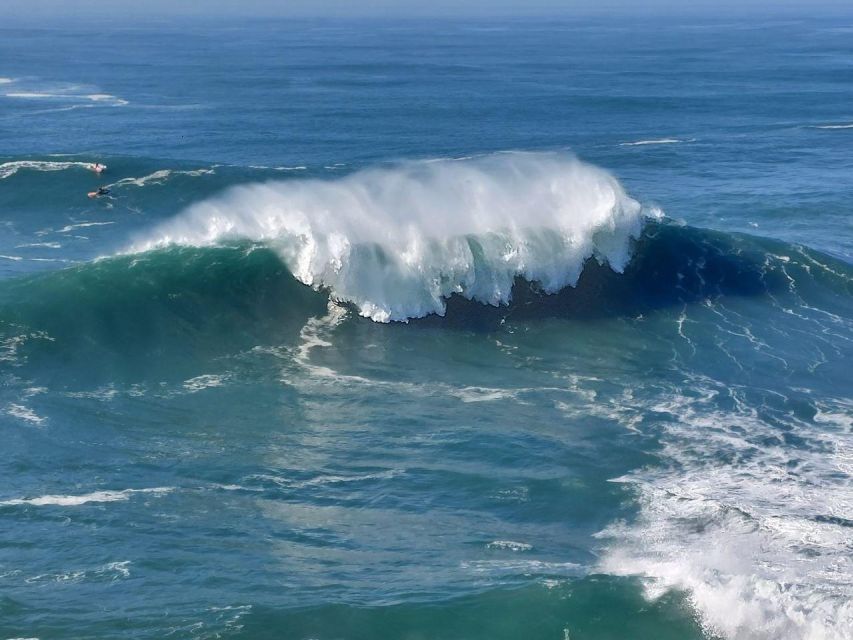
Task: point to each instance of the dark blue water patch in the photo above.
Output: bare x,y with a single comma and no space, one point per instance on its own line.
597,608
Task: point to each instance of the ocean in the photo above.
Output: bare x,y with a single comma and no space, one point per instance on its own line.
427,329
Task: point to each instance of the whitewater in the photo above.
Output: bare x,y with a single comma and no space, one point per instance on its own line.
479,329
397,242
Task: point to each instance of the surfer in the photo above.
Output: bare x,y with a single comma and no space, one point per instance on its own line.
102,191
97,167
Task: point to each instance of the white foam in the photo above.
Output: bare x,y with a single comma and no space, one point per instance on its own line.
69,95
834,126
642,143
396,242
45,245
159,177
32,95
73,501
106,97
113,571
82,225
509,545
756,531
482,394
8,169
24,413
6,80
338,479
207,381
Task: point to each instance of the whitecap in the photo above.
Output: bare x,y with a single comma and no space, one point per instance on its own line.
509,545
24,413
94,497
207,381
641,143
82,225
8,169
45,245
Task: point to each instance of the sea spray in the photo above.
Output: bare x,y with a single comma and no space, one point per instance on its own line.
397,241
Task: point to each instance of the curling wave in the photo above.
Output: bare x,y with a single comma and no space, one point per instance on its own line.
397,242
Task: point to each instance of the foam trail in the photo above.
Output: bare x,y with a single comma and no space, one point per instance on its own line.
834,126
396,242
99,98
8,169
73,501
642,143
160,177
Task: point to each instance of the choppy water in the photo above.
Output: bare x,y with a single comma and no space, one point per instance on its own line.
620,403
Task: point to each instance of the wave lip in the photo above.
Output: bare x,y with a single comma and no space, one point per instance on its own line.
397,242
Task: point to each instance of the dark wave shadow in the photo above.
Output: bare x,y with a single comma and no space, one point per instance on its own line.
672,265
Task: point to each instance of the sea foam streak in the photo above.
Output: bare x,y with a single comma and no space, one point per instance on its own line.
73,501
756,532
396,242
8,169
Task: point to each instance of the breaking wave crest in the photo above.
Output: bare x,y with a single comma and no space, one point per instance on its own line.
396,242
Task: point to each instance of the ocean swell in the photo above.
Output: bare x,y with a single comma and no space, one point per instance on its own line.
396,242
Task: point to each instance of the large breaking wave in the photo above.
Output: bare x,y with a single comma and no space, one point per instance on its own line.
398,241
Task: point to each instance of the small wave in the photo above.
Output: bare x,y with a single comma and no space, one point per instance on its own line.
82,225
99,98
111,571
509,545
8,169
207,381
24,413
641,143
6,80
398,242
106,97
833,126
507,568
160,176
32,95
43,245
96,496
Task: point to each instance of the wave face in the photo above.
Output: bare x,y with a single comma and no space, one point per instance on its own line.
397,242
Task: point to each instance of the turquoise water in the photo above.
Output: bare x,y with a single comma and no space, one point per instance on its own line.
427,330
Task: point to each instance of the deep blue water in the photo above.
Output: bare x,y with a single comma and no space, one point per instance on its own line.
458,330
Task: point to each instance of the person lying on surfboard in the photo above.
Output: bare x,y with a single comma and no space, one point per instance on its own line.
97,167
102,191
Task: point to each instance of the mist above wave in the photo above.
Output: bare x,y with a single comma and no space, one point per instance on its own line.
397,241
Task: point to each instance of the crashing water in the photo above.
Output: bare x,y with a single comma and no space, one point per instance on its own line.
298,387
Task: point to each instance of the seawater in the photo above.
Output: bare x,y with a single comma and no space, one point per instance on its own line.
427,329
